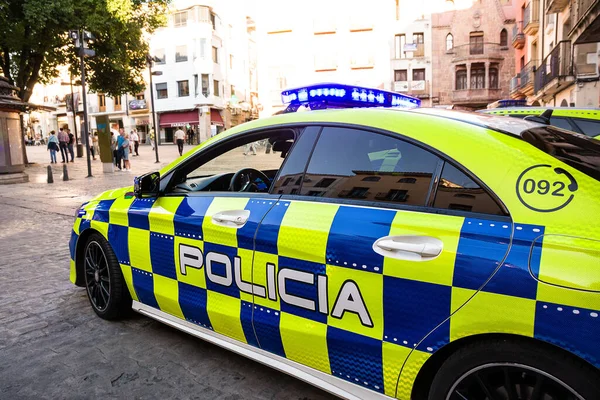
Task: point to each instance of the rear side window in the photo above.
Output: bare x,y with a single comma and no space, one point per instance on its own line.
561,123
360,165
575,150
456,191
588,127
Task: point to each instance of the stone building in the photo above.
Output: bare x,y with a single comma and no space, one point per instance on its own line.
472,58
558,44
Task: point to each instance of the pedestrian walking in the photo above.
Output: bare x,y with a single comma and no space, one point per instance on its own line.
63,140
89,140
250,147
151,134
180,138
115,148
70,144
53,146
125,153
135,138
95,145
191,134
120,140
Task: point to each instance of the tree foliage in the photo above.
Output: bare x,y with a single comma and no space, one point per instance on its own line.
34,41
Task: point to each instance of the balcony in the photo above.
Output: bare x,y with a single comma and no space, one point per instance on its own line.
555,70
556,6
585,21
518,41
475,96
478,51
515,87
531,18
527,77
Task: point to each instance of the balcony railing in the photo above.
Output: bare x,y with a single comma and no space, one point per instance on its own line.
558,64
469,96
531,17
527,74
477,51
412,87
518,36
515,83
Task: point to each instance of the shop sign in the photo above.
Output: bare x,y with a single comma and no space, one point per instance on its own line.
138,105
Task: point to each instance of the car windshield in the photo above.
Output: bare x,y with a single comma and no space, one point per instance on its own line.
575,150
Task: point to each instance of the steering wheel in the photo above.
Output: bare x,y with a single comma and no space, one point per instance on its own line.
244,180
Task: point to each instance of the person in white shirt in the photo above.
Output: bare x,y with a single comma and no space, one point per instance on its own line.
179,139
134,137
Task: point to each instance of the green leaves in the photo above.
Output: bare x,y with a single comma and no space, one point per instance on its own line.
34,41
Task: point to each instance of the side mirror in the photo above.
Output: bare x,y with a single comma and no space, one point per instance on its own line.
146,185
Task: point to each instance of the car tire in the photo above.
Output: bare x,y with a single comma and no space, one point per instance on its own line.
519,360
104,282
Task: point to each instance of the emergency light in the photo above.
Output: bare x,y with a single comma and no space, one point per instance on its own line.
335,95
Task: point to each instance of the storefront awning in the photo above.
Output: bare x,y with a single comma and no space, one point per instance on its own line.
215,117
179,118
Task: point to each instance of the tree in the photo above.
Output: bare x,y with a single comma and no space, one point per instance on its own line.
34,41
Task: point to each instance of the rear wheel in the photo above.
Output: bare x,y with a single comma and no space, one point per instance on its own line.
104,280
506,370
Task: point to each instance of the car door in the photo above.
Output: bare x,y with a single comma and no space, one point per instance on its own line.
359,265
191,251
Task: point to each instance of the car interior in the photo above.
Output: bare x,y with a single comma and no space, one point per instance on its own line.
231,166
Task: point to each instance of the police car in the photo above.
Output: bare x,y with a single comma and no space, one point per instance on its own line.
374,253
581,120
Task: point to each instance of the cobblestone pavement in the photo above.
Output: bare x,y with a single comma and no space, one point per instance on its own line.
53,346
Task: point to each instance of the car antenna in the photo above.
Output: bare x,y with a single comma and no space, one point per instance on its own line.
542,119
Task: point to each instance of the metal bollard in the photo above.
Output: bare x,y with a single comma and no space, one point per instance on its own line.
65,173
50,178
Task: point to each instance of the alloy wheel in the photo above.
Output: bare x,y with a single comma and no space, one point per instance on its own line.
97,275
505,381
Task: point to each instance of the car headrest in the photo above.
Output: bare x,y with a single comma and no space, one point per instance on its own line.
283,146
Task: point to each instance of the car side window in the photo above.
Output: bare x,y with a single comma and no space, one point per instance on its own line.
355,164
456,191
562,123
289,179
588,127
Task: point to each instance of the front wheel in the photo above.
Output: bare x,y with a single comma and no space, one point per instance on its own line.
507,370
104,282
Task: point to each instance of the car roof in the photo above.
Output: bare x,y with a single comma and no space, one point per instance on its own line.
512,126
391,119
586,113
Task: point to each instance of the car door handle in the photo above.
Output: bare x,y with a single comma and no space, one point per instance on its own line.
412,248
232,219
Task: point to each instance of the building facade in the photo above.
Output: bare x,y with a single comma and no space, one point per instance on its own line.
411,62
472,58
558,64
206,59
345,41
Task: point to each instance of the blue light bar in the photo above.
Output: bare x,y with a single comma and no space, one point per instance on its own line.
512,103
347,96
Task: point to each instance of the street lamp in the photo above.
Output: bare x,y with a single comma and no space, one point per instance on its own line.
150,60
81,39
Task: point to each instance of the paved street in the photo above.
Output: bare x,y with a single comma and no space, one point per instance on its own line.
52,345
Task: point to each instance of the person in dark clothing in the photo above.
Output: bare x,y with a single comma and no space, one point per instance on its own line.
191,134
63,140
70,144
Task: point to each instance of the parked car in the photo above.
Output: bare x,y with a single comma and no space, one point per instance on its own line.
427,254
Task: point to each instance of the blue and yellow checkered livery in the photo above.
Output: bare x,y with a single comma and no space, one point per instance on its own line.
415,308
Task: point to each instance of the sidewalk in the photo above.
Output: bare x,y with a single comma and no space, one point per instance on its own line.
63,197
